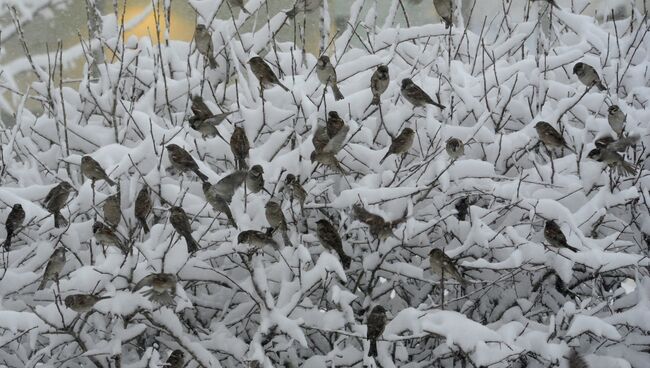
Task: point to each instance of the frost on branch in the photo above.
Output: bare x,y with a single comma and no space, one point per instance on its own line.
544,247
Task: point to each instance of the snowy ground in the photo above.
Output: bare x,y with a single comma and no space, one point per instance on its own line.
526,304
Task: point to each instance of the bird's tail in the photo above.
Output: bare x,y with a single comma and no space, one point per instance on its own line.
231,220
285,239
7,243
372,351
41,286
283,86
570,247
345,260
337,92
109,181
600,86
384,158
192,245
144,225
626,168
441,107
59,220
201,175
213,62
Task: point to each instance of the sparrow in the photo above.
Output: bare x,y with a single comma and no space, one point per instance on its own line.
257,239
14,220
614,160
416,96
163,287
203,120
53,268
620,145
400,144
445,11
441,264
587,75
576,360
379,83
93,171
329,238
306,6
226,187
329,160
82,303
112,210
275,218
240,146
181,223
334,124
239,4
55,199
326,148
555,237
255,179
295,190
549,136
107,237
462,207
177,357
378,227
143,206
616,119
455,148
203,40
376,323
182,161
218,203
264,73
327,75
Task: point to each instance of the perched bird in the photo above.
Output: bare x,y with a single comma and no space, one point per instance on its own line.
587,75
56,198
441,265
614,160
177,357
181,224
200,110
255,179
82,303
549,136
112,210
143,206
239,4
295,190
264,73
163,287
93,170
327,75
182,161
326,148
379,83
455,148
329,160
257,239
378,227
275,218
334,124
416,96
203,120
330,239
240,146
14,220
203,40
376,323
53,268
445,10
400,144
462,206
555,237
619,145
306,6
226,187
218,203
576,360
616,119
107,237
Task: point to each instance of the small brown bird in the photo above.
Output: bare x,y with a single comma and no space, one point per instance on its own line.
327,75
376,323
555,237
226,187
264,73
112,210
620,145
416,96
56,199
177,357
181,223
182,161
204,121
275,218
614,160
462,206
218,203
330,239
455,148
82,303
329,160
14,220
576,360
379,83
107,237
200,110
549,136
203,40
53,268
143,206
239,4
400,144
587,75
93,170
334,124
616,119
441,265
378,227
295,190
163,287
257,239
255,179
445,10
240,146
